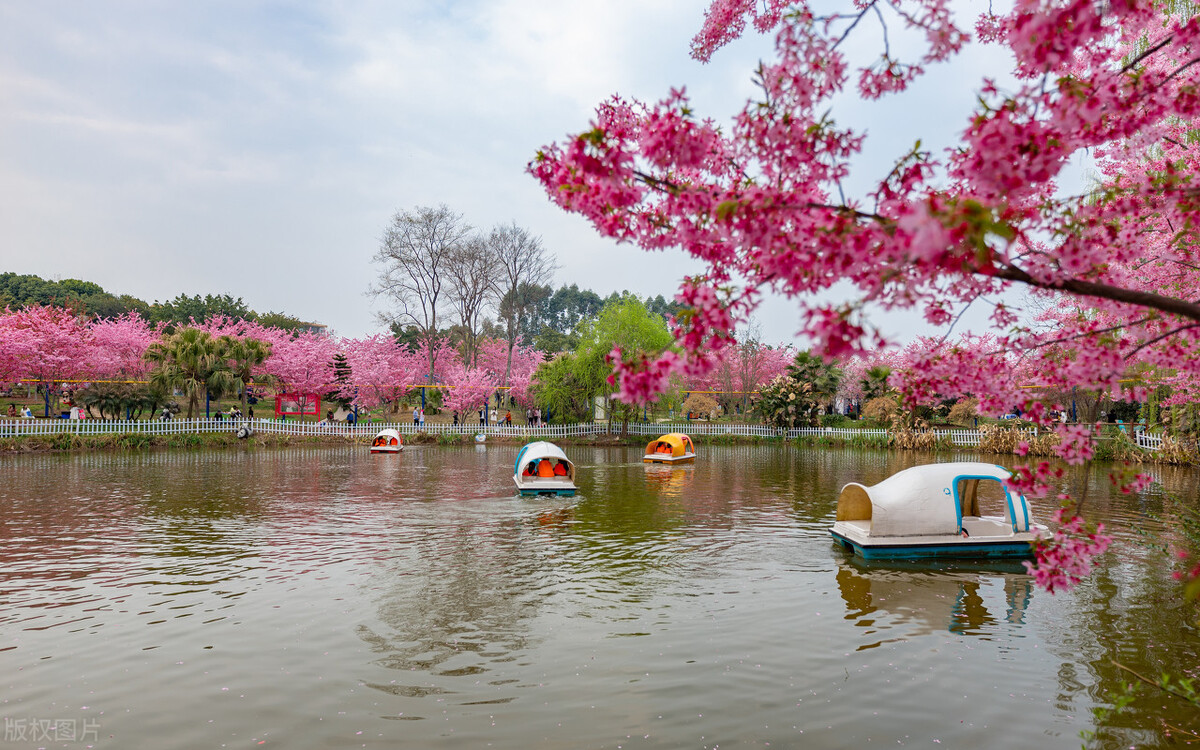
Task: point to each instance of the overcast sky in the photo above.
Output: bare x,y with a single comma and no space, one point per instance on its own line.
259,149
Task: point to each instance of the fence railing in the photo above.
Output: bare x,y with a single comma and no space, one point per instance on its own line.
34,427
1149,441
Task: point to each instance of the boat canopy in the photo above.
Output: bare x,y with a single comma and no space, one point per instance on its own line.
930,499
675,444
535,452
387,437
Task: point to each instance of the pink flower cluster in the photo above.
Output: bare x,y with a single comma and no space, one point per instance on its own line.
50,344
1065,559
1190,575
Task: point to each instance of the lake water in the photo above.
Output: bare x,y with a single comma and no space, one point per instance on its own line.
328,598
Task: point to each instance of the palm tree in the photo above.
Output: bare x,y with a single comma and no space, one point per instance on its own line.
822,377
242,357
875,384
190,360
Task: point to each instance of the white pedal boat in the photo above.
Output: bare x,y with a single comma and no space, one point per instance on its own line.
542,468
934,511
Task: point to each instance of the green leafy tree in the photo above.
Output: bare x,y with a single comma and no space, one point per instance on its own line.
557,388
118,400
191,361
874,383
242,357
788,402
664,307
623,323
796,398
179,311
408,337
552,341
562,313
822,377
280,320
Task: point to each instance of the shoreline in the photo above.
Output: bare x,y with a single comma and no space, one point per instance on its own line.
65,442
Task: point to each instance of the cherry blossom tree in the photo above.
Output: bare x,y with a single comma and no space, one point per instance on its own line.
865,376
380,370
302,364
470,389
43,344
439,357
250,347
520,362
744,368
762,204
118,346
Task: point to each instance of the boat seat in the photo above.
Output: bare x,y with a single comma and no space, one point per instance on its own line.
978,526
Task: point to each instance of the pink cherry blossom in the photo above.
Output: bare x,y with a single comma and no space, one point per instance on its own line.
759,201
1066,558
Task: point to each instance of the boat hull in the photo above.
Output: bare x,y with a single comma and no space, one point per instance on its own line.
957,548
652,458
562,492
386,448
540,486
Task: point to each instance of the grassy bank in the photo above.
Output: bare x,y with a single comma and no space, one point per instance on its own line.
1115,446
139,442
208,440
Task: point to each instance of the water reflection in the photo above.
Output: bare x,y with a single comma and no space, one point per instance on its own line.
922,599
455,605
668,480
335,590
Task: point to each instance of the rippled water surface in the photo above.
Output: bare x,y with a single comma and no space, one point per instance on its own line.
328,598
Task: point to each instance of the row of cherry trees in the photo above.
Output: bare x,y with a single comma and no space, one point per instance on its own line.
52,345
49,346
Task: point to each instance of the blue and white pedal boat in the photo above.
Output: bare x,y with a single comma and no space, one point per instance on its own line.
542,468
937,510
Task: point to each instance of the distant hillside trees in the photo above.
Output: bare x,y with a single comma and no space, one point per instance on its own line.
19,291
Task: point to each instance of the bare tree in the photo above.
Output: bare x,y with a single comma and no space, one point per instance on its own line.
469,288
741,369
414,252
751,359
522,263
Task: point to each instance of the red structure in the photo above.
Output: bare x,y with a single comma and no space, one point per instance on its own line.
297,404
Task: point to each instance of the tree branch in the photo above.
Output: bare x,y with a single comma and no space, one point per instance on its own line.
1173,305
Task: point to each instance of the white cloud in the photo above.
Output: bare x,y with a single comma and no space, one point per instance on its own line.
259,149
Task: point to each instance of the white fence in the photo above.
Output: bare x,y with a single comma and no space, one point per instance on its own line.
22,427
1149,441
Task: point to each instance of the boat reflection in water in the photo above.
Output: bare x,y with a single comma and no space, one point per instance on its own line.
965,598
667,479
